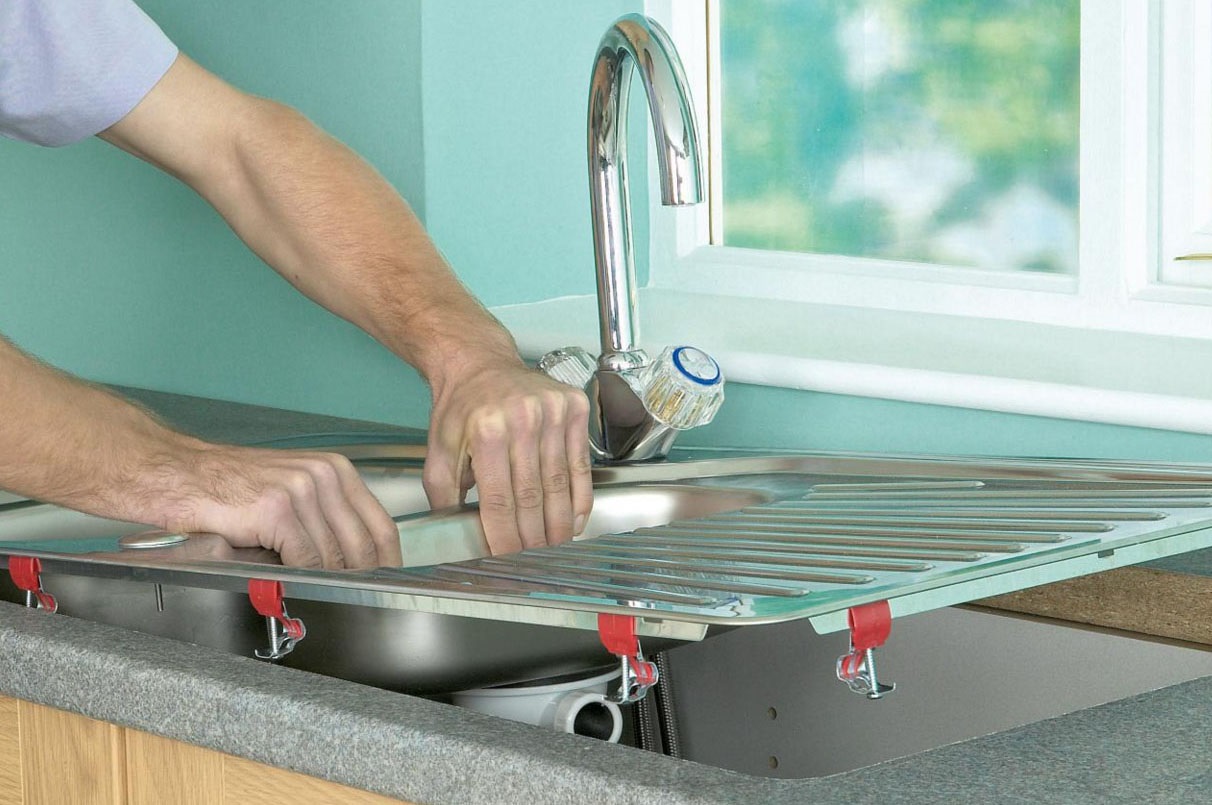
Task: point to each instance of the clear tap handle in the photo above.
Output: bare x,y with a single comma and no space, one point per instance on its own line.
683,387
571,365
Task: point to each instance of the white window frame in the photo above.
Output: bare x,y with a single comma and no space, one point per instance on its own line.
1118,252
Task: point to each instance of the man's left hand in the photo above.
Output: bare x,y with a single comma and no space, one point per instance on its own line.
522,439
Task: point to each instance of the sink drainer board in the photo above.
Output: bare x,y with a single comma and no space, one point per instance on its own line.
833,532
918,544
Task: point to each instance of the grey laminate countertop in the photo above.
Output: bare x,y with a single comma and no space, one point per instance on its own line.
1150,748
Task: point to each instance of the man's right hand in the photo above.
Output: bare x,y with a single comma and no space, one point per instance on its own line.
312,508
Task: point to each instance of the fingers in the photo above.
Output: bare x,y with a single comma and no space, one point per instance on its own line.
383,533
312,508
346,522
489,448
580,465
529,454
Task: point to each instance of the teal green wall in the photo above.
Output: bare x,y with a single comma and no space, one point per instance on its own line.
764,417
475,111
118,273
506,177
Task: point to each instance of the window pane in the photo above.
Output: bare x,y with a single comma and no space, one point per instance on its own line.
935,131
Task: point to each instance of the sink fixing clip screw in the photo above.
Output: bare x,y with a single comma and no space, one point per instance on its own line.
870,625
26,572
617,633
284,631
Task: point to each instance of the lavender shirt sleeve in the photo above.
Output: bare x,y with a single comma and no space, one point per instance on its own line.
71,68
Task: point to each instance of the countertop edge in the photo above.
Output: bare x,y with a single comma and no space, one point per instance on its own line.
1151,747
324,727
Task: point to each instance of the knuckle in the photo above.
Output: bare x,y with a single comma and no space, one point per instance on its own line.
488,429
525,413
577,403
302,484
556,482
299,552
580,464
366,553
323,470
276,502
554,403
497,502
387,535
529,498
308,559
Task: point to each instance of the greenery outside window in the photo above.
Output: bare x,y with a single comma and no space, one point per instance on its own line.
917,130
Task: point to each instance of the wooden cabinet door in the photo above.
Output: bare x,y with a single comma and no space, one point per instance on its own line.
69,758
159,771
52,757
11,791
163,771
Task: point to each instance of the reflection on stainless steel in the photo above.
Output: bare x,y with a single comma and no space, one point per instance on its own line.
898,486
570,583
775,516
984,513
742,563
1084,493
149,540
694,577
462,619
724,544
889,539
1082,504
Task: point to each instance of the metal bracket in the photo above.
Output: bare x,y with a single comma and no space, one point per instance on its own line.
26,572
284,631
870,625
617,633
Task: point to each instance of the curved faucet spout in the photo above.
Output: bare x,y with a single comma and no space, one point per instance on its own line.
636,405
634,40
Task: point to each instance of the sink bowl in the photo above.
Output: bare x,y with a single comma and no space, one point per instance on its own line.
414,652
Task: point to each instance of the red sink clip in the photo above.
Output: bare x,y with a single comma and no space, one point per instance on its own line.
284,631
617,633
870,625
26,572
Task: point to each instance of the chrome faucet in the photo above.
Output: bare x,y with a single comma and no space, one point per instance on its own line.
637,405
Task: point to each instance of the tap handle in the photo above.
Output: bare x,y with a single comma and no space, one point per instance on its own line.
571,365
683,387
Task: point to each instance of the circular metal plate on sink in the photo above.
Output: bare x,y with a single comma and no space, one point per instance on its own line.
150,539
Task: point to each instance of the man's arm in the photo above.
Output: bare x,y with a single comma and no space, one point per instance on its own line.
330,225
82,447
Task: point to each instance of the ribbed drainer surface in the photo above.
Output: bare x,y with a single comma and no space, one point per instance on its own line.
839,544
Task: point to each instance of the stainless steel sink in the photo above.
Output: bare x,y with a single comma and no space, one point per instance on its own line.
416,652
684,547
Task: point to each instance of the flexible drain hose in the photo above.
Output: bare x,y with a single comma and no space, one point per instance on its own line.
656,724
666,712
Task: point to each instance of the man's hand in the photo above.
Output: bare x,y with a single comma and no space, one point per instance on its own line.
522,439
312,508
83,447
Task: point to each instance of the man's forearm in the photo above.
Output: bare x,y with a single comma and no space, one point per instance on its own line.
316,213
333,227
67,442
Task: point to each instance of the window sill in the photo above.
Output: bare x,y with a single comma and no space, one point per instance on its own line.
1017,367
